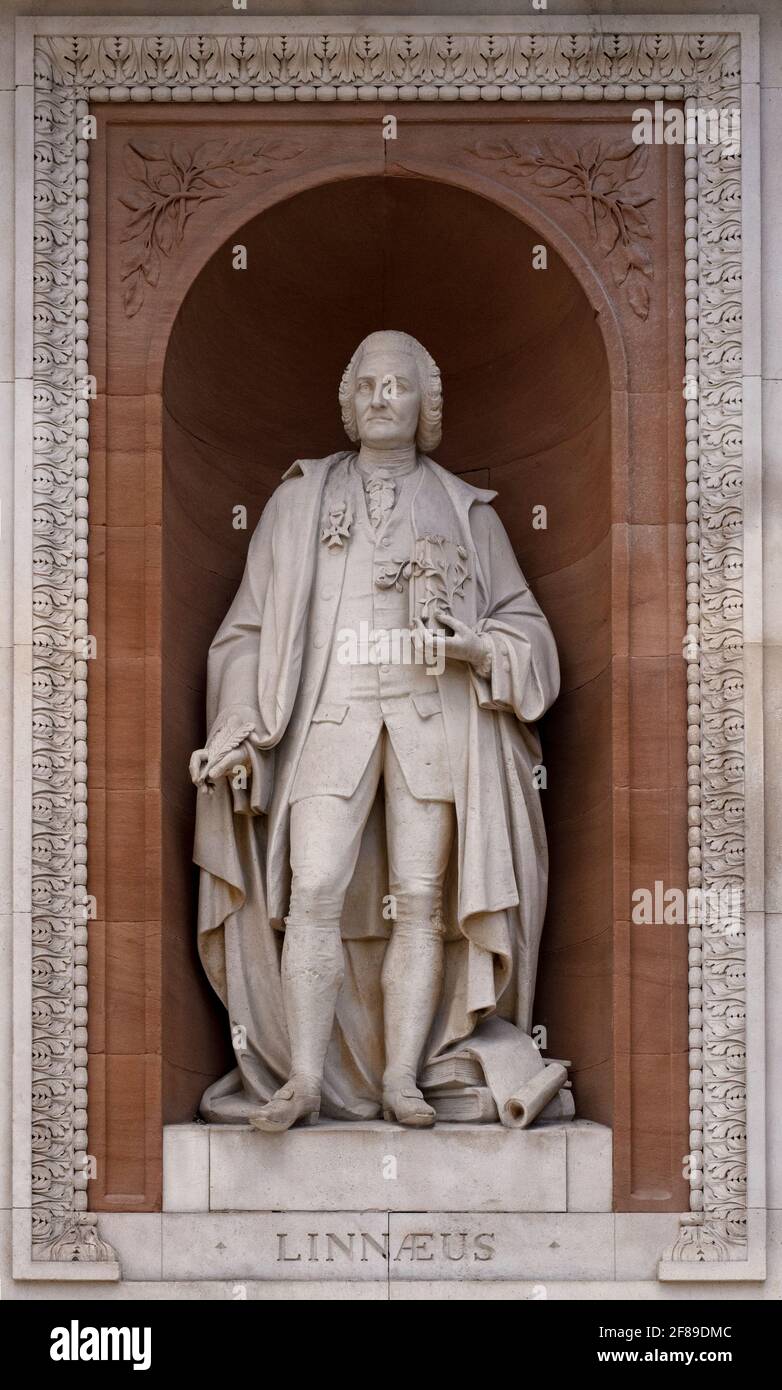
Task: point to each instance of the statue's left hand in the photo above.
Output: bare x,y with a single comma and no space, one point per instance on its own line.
462,644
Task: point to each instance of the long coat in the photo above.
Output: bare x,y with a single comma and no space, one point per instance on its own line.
262,665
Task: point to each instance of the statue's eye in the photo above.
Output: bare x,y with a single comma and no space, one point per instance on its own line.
364,386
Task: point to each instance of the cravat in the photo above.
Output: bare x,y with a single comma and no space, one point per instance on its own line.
381,496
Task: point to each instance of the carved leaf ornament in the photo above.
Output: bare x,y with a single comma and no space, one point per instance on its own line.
598,179
169,185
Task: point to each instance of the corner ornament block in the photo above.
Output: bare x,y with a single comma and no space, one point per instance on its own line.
698,1242
75,1238
407,60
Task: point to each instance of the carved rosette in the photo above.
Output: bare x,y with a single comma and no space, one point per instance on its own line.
370,67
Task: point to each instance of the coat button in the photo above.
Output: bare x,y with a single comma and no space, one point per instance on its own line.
320,639
327,592
385,541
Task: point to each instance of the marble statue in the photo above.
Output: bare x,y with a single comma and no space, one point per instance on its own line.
369,831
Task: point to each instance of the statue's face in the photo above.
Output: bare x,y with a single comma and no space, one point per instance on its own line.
387,398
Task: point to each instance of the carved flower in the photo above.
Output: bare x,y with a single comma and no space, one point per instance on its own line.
439,568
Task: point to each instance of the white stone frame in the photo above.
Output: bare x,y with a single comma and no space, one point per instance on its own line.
64,63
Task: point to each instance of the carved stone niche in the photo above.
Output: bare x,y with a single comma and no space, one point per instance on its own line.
563,390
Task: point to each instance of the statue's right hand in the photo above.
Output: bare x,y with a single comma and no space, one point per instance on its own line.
205,768
198,765
226,763
226,747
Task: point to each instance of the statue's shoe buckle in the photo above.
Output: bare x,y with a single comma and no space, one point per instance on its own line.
407,1106
290,1105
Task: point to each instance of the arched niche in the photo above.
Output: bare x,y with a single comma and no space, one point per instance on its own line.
558,394
250,383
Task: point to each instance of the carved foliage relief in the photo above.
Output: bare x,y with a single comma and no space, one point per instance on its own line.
168,185
598,178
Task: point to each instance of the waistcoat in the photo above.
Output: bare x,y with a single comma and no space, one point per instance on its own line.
368,606
359,694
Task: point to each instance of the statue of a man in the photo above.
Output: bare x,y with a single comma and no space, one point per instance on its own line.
372,852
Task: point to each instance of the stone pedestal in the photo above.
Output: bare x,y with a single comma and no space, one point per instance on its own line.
369,1202
334,1167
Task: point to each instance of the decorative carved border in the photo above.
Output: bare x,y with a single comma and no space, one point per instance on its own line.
701,69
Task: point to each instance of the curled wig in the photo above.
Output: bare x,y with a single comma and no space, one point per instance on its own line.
430,419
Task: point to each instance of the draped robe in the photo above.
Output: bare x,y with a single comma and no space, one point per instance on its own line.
262,668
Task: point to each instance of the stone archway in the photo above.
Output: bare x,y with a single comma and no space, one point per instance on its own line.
527,412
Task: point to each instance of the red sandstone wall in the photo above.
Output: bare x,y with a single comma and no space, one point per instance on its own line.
557,393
